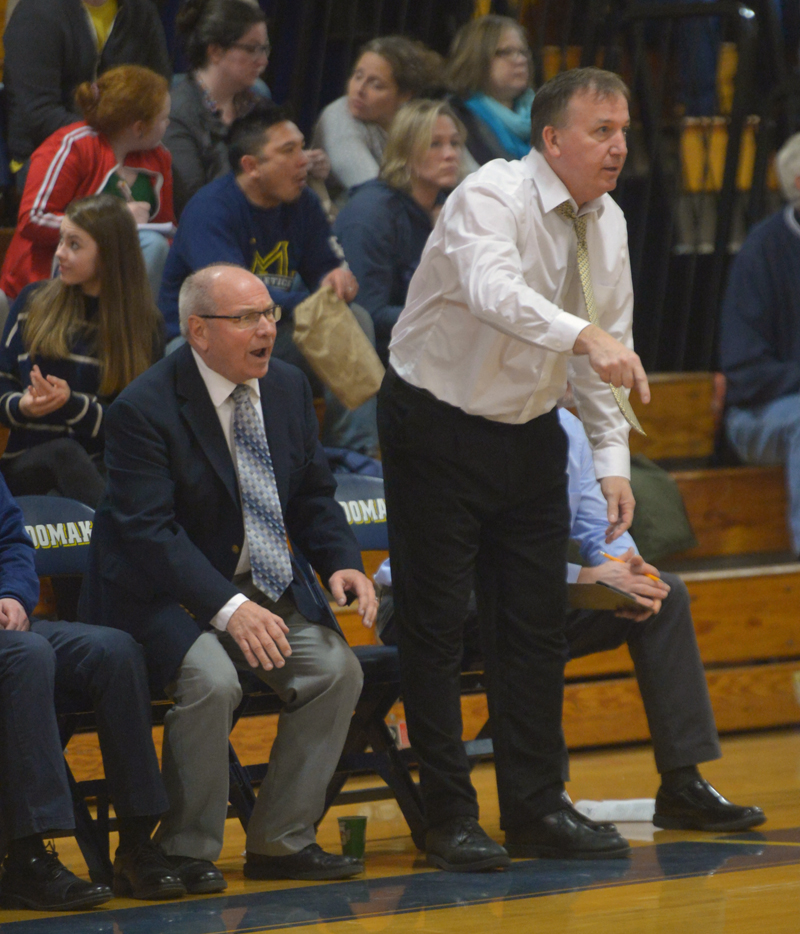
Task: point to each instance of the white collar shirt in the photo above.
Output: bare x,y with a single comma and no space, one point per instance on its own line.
496,304
220,389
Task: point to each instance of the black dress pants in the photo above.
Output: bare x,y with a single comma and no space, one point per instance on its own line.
473,500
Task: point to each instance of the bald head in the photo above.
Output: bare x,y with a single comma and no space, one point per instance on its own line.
198,294
214,294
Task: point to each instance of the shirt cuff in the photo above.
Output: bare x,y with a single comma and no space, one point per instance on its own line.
223,617
612,461
573,570
564,331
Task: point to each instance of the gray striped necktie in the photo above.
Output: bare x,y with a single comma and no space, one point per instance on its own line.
270,564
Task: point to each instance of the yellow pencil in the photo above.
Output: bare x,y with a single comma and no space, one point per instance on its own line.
620,561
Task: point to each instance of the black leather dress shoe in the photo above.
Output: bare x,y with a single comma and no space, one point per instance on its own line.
200,876
44,884
144,872
462,845
699,806
567,834
311,863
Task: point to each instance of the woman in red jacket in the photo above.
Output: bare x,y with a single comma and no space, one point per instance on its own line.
116,149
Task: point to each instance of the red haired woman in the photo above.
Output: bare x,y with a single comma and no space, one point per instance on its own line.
115,149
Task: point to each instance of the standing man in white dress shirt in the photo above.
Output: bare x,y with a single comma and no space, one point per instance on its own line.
475,462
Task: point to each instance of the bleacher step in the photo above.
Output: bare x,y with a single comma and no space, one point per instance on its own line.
734,510
679,419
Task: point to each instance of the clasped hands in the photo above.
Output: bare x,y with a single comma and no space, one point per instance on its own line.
261,635
630,573
44,395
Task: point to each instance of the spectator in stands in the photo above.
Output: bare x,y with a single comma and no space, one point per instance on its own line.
385,224
489,73
82,667
760,340
51,48
261,216
207,584
69,346
116,149
662,643
353,129
227,48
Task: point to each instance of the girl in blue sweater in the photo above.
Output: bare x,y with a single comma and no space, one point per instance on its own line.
69,346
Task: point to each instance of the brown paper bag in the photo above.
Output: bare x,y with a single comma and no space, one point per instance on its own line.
328,335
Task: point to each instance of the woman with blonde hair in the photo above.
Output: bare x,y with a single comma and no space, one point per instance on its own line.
69,346
385,224
389,72
117,149
489,73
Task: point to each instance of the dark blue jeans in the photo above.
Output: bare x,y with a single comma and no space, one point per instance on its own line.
68,667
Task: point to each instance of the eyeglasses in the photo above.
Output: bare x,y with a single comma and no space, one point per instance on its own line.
251,320
511,51
252,48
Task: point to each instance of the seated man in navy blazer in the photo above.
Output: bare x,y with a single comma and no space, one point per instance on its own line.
212,460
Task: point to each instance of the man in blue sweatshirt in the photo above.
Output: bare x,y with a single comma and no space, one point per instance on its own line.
263,217
760,339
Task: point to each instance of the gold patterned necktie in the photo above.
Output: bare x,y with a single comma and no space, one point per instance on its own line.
566,210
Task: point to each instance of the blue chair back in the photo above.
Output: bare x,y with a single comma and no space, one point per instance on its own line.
364,505
60,530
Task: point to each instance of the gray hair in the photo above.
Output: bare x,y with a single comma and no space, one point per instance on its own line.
195,296
553,98
787,164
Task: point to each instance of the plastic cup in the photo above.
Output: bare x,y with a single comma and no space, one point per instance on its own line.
353,833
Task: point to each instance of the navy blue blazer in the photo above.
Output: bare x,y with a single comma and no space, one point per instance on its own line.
168,532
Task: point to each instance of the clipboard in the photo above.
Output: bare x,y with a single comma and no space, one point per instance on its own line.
600,596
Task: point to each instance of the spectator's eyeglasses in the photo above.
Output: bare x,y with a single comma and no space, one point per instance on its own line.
253,48
250,321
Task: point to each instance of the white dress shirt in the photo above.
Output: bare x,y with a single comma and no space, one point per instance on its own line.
496,304
220,389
